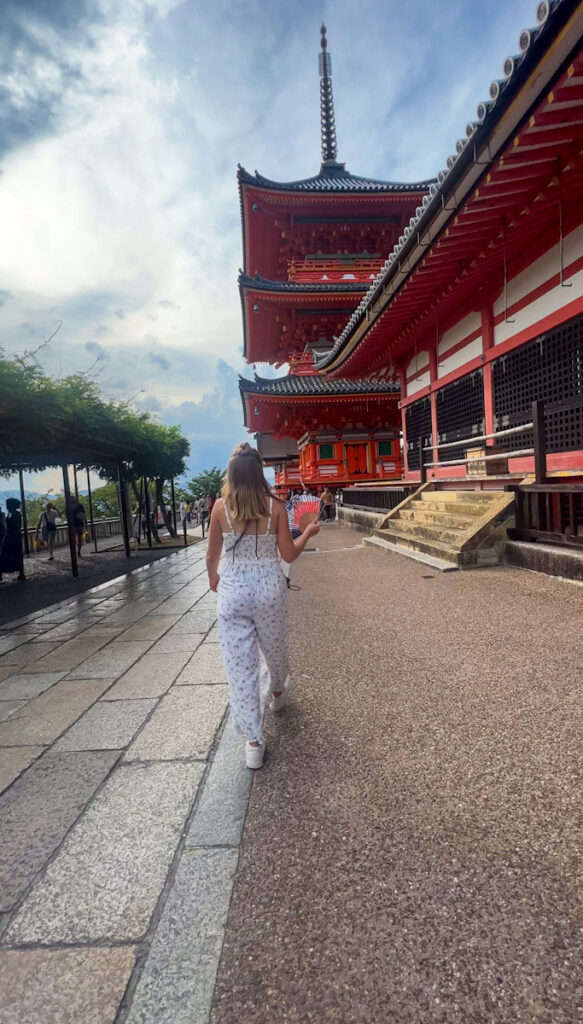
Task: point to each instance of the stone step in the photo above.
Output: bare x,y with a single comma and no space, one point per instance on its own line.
439,564
421,544
465,508
416,514
434,532
471,497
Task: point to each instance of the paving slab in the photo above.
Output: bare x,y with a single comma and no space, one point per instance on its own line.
213,636
11,640
176,986
195,621
39,809
63,986
129,612
151,627
173,643
176,605
204,668
8,707
183,725
151,676
112,661
68,655
29,654
44,719
106,879
13,761
221,811
25,686
106,726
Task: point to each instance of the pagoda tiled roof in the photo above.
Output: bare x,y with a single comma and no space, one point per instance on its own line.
332,177
312,384
259,283
534,43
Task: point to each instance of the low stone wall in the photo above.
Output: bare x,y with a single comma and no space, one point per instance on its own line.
360,518
551,559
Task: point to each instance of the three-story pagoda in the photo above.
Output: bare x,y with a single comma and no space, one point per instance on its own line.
311,249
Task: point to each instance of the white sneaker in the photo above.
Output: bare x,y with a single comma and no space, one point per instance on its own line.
254,755
278,703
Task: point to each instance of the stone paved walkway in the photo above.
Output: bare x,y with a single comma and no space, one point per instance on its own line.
122,803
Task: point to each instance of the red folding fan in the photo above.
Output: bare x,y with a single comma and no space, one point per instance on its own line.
306,511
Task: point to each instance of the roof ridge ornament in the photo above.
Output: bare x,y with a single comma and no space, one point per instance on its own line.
327,121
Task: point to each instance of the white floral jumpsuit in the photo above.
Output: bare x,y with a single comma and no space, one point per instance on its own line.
252,613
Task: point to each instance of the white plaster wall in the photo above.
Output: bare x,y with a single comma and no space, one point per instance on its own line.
459,358
418,383
470,323
542,269
535,311
419,362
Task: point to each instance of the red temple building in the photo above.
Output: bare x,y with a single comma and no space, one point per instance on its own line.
479,306
311,249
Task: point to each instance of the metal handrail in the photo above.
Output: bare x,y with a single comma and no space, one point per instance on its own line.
483,437
482,458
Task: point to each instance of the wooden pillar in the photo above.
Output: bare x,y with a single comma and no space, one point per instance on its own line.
487,344
147,504
123,503
70,525
173,502
540,448
403,382
75,483
24,519
91,520
433,401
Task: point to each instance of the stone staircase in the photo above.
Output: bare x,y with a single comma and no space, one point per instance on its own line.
455,528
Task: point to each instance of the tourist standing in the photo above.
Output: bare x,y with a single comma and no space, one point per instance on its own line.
328,503
11,556
252,606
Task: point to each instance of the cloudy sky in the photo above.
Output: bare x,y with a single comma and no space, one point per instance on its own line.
121,126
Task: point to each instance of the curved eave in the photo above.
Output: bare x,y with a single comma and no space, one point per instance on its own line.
285,288
554,43
333,184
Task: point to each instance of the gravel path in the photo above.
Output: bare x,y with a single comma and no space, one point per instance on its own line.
412,849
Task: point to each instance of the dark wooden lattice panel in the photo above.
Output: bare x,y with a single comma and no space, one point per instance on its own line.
549,369
460,413
418,424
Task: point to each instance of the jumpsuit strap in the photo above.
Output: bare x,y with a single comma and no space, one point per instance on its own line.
269,516
227,517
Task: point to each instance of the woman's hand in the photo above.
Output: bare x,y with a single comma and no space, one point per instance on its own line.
312,529
214,581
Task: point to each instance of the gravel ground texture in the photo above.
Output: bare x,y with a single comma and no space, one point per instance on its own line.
412,848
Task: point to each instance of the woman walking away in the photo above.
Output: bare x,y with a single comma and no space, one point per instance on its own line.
252,606
47,527
328,501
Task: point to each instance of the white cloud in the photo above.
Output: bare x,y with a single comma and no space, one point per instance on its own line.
119,208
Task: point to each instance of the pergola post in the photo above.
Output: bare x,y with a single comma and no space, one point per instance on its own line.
123,502
76,482
173,502
70,527
92,524
24,519
147,504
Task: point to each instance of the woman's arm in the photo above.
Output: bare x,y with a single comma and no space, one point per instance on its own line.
291,549
215,547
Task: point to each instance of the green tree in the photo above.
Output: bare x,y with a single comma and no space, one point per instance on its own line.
209,481
105,502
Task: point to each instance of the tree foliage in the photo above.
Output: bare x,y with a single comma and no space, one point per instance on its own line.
209,481
45,421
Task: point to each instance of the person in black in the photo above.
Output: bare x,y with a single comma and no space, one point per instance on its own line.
79,522
11,556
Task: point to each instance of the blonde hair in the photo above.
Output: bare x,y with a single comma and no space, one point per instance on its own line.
246,491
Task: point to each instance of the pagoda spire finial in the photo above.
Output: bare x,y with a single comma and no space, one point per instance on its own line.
327,123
